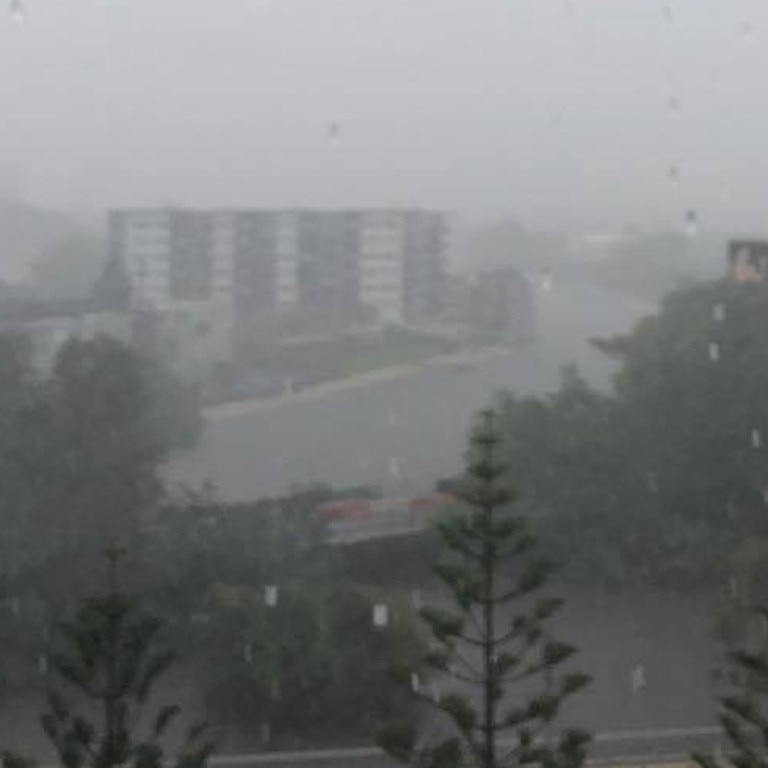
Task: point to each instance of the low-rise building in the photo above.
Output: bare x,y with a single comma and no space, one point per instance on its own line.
334,268
50,324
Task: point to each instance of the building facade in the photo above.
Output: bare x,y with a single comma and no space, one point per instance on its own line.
332,268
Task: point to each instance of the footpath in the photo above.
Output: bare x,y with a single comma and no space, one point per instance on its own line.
224,411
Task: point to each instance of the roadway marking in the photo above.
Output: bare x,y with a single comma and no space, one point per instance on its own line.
629,761
225,411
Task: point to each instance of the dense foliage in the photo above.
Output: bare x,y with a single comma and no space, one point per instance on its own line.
661,479
81,451
283,646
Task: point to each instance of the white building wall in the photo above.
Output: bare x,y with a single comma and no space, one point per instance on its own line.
223,257
287,287
147,253
382,266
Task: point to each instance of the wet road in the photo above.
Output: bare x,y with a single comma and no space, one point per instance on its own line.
405,434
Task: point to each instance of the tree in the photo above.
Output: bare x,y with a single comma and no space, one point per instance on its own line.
743,712
496,639
301,665
111,291
661,480
307,662
67,267
81,453
111,658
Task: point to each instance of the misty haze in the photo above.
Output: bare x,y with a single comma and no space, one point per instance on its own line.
383,381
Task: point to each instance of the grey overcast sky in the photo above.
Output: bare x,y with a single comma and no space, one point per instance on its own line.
575,112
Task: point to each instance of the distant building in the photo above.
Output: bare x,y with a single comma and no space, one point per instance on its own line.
331,268
501,302
50,324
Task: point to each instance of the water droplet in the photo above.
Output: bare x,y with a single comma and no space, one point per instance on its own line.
714,351
42,664
638,678
380,615
757,439
415,682
266,733
733,585
669,13
691,223
392,417
271,595
435,692
334,129
674,173
546,279
718,313
276,691
248,653
17,11
674,106
416,600
394,467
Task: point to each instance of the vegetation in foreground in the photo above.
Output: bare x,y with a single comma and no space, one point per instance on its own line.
495,670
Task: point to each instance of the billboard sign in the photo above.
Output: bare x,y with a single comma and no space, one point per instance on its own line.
748,260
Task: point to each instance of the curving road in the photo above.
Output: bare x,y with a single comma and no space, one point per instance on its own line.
401,432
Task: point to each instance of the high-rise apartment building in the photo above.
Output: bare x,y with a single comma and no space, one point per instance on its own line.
334,268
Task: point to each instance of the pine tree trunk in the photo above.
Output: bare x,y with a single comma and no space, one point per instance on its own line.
489,698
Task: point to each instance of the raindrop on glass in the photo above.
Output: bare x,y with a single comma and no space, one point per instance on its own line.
733,585
718,313
435,692
334,130
691,223
546,279
674,174
394,467
42,664
392,417
638,678
15,606
674,106
757,439
266,733
276,691
248,653
415,682
416,600
380,615
669,14
714,351
16,10
271,595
